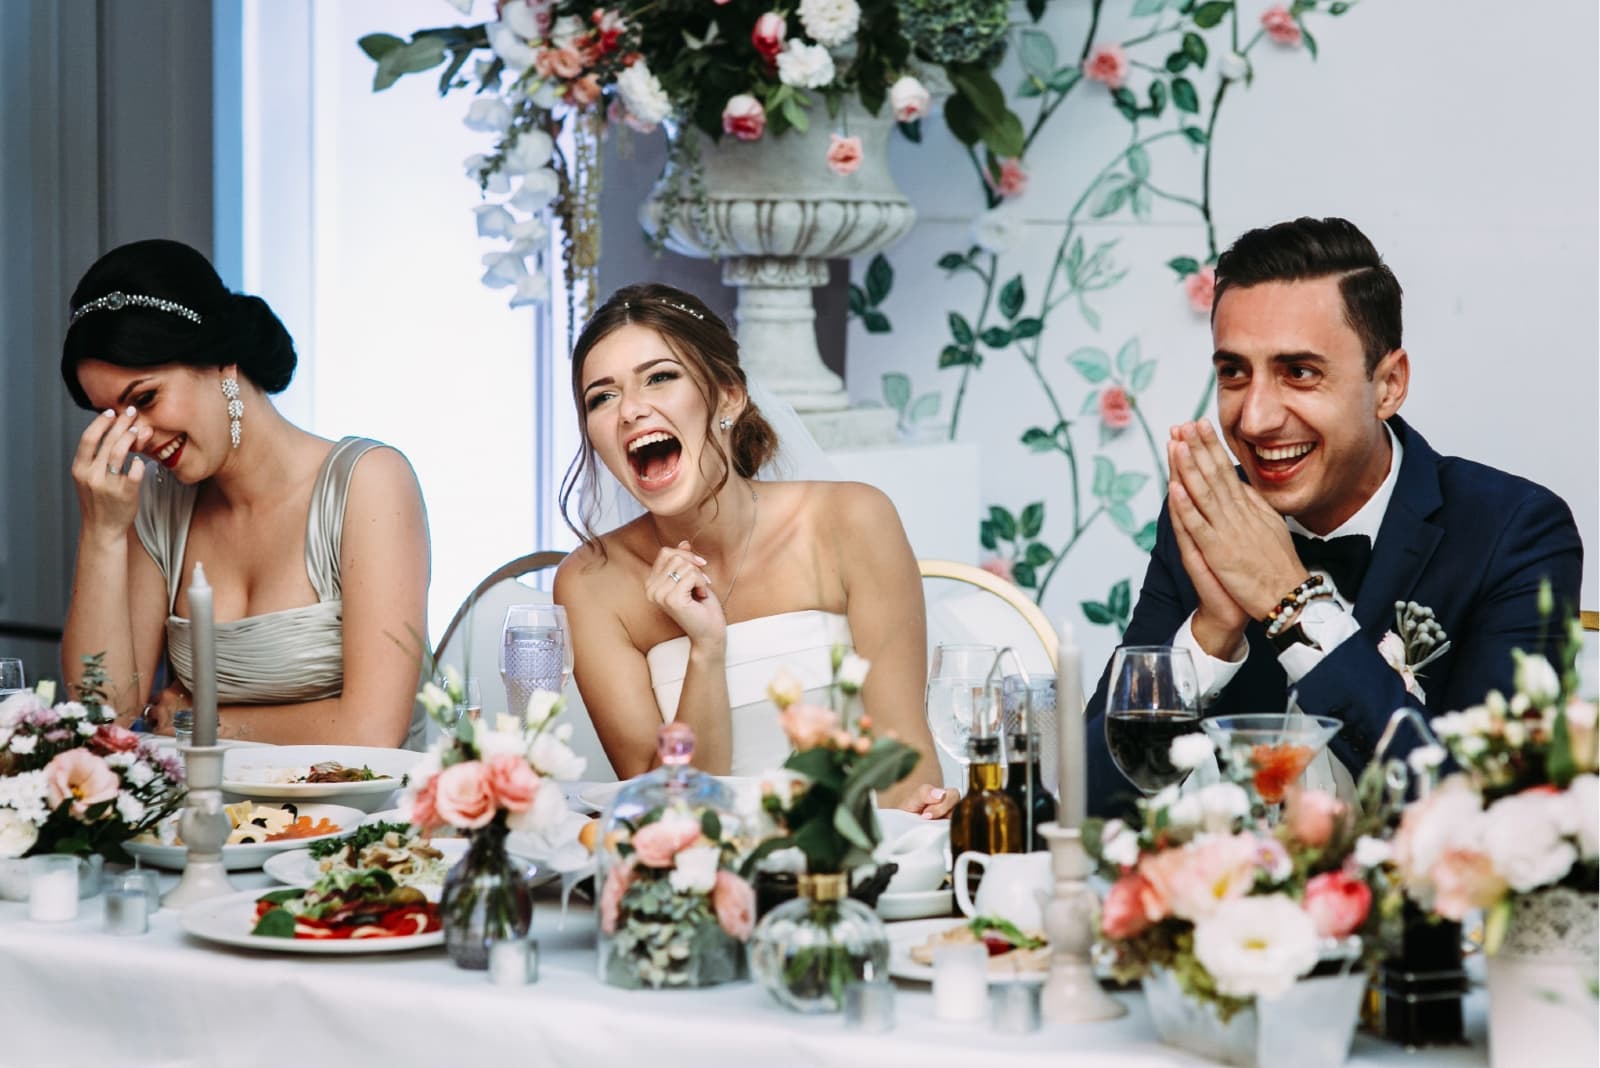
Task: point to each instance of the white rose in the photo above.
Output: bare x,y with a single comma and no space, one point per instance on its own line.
909,98
1119,845
513,50
544,705
493,182
493,221
1186,813
642,94
499,743
853,672
529,20
1523,837
1256,946
528,235
1371,852
1233,66
568,29
1584,798
87,727
547,94
23,744
489,114
1189,751
1537,679
694,870
1222,803
830,22
552,758
563,732
1425,758
996,230
549,808
532,288
17,835
539,187
532,151
804,66
130,808
501,269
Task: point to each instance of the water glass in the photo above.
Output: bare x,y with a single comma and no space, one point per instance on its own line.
955,686
535,653
12,677
1153,697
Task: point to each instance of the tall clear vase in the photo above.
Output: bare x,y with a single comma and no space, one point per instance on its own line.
486,899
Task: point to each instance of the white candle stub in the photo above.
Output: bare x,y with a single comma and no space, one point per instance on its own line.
512,961
52,888
961,982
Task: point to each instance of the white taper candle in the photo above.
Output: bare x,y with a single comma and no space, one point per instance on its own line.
1069,716
203,635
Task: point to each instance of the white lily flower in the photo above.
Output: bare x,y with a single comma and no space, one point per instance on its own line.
544,705
526,22
528,235
532,288
513,50
539,187
489,114
503,269
531,152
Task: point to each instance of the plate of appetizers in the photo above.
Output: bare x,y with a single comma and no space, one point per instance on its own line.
343,913
394,847
1015,956
360,776
257,832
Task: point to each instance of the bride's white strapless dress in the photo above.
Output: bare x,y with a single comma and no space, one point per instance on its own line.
757,650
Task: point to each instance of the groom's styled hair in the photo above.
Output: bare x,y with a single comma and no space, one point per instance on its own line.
710,353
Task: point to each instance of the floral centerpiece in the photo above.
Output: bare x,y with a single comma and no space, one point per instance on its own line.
555,73
485,782
808,949
72,781
1220,911
673,912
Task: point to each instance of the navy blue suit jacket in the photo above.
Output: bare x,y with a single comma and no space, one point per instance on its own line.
1468,541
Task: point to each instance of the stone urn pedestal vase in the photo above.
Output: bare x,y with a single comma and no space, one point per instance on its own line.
774,213
1542,1007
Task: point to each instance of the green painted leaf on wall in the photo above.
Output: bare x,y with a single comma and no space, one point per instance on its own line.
924,408
1184,97
1095,612
1023,575
1105,476
1032,520
1119,599
1139,380
897,390
1194,46
1038,53
1023,329
880,279
1005,524
1128,356
1038,554
1146,536
1125,485
1012,295
1122,516
1139,162
1209,14
960,329
1038,439
1092,364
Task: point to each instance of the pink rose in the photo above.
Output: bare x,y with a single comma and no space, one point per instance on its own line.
513,782
1337,903
1201,289
1194,880
743,117
655,844
735,904
808,726
998,566
1313,816
909,98
1115,410
1108,64
462,795
111,738
1463,880
563,63
1280,25
1131,906
584,91
618,879
80,777
424,811
768,35
844,154
1012,180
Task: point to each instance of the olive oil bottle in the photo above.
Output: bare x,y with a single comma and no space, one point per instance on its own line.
986,819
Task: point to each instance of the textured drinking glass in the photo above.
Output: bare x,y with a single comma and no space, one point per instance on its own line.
955,680
535,653
12,677
1153,697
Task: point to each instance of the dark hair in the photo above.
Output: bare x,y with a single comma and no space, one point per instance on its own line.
1305,249
233,328
706,347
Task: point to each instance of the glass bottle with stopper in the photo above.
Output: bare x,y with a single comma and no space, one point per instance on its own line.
986,819
1025,721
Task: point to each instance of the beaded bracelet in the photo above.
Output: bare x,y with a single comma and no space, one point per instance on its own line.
1311,589
1286,621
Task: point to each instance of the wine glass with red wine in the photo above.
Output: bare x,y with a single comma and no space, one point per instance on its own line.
1152,698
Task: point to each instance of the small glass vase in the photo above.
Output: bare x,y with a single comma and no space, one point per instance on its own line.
485,899
806,951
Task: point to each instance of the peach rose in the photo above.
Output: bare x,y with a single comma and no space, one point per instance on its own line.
808,726
584,91
735,904
514,783
79,776
1107,64
1313,816
1201,289
655,844
1115,410
618,879
1131,906
462,795
1463,880
743,117
111,738
1337,903
844,154
424,811
1012,180
1194,880
767,35
1280,25
563,63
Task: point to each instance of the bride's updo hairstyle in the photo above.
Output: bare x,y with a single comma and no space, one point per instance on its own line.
153,303
706,347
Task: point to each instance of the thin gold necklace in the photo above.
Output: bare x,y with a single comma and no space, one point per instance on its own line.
755,513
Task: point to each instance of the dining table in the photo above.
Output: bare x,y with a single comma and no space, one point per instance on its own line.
76,994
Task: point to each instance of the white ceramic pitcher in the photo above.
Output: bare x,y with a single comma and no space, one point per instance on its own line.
1011,886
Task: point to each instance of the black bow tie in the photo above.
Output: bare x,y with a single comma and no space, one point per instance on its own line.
1344,558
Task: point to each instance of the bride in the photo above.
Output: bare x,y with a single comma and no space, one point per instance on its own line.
687,611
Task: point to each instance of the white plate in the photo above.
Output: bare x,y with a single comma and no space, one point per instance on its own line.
917,904
229,920
245,857
299,868
245,771
599,795
902,936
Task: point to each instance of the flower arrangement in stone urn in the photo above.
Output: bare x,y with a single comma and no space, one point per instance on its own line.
807,950
72,781
1516,835
485,782
1222,913
742,69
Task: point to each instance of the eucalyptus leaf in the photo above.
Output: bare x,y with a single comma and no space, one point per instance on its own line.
896,390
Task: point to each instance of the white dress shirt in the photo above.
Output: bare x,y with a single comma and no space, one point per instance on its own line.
1214,674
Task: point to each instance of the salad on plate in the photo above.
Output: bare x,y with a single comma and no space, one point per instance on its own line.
346,904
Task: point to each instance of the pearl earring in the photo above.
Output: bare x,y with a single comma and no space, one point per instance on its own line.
230,389
725,423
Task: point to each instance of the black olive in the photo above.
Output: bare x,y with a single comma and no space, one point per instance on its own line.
294,813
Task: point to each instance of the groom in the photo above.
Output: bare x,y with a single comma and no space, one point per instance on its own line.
1337,510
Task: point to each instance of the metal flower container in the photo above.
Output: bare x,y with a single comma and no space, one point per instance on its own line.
1309,1027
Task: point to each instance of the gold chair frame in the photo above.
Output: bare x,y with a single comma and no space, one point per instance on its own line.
511,569
1008,592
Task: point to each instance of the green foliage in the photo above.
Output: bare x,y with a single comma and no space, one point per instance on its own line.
864,302
957,31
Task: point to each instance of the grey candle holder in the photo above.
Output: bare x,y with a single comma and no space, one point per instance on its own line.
1072,994
204,827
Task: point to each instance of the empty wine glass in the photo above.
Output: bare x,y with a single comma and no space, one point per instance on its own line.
535,653
955,681
1152,698
12,678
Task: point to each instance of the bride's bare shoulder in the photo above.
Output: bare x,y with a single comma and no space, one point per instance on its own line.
599,564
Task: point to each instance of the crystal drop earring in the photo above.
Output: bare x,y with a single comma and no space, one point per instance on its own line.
230,389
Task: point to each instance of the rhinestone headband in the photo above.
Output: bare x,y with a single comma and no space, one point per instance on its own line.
116,300
626,305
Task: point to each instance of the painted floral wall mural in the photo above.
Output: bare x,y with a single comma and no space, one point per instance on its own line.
1022,291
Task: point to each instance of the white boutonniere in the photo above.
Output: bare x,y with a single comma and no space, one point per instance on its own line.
1417,641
